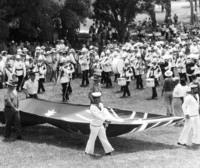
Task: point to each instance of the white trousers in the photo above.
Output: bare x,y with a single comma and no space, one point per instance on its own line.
192,123
101,133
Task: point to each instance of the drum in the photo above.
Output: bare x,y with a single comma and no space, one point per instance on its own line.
150,82
122,81
117,66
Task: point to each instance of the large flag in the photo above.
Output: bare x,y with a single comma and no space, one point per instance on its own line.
76,118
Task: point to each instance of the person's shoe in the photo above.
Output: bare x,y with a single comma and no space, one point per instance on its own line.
19,138
122,97
108,154
93,155
81,85
149,98
155,98
184,145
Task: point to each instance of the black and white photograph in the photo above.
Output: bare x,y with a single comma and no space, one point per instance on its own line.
99,83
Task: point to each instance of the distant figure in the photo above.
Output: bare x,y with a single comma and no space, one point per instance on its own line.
175,19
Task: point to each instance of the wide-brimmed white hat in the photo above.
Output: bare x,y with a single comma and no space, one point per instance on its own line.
96,94
168,73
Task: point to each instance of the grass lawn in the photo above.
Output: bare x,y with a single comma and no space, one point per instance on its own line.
45,146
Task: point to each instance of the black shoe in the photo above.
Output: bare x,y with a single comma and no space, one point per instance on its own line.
81,85
122,97
108,154
185,145
19,138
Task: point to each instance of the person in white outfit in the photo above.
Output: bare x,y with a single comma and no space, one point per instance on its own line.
96,126
191,111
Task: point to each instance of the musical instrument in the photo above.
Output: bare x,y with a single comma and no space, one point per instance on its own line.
117,66
150,82
122,81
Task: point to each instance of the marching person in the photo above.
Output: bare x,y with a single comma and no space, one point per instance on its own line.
20,69
31,86
96,85
181,66
127,73
154,72
96,126
84,61
64,77
167,92
139,70
192,121
11,110
40,70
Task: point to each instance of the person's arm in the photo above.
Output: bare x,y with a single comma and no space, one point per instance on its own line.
184,106
164,87
9,102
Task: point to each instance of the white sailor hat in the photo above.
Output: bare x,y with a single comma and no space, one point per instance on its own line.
40,58
25,50
107,51
19,51
192,86
84,50
96,94
38,48
17,56
138,55
154,60
168,73
126,61
91,47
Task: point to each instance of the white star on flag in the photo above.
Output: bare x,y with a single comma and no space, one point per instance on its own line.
50,113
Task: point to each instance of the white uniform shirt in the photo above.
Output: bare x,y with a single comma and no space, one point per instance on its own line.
98,115
178,91
19,68
31,86
191,105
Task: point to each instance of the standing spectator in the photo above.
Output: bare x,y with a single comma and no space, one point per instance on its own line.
11,111
167,92
175,19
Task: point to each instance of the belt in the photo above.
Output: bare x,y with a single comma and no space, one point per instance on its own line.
19,69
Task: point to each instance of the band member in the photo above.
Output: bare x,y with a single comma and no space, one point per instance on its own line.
20,69
96,126
107,68
181,66
139,71
84,61
31,86
64,77
154,72
127,74
96,86
11,111
191,111
40,71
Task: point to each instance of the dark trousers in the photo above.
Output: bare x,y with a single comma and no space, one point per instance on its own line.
139,82
12,116
126,89
103,77
64,91
154,92
85,77
183,76
69,88
41,85
20,82
108,79
190,78
116,77
33,96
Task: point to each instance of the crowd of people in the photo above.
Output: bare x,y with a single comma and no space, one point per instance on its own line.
175,63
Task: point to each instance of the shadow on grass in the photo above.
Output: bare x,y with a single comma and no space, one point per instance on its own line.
60,138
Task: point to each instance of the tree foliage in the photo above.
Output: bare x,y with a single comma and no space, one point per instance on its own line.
28,19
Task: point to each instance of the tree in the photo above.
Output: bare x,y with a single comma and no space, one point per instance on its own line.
28,20
72,14
118,13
